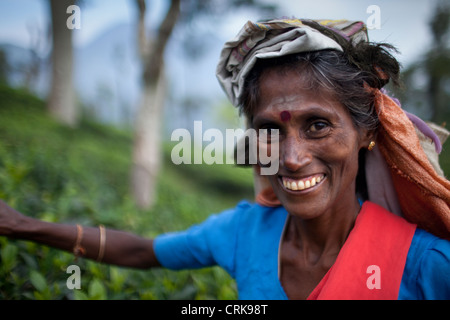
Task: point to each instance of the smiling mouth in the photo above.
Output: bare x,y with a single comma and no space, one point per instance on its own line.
301,184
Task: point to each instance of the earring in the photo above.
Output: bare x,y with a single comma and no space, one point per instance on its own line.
371,145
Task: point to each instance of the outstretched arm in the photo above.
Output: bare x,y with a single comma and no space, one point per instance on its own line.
111,246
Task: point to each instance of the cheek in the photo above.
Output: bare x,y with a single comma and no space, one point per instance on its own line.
342,154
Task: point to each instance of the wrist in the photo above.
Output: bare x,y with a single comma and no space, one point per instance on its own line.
23,227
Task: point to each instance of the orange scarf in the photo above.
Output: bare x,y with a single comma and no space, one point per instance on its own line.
423,194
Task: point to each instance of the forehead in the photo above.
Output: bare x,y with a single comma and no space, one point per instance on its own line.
291,90
296,76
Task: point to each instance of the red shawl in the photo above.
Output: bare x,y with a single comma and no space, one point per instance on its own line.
371,262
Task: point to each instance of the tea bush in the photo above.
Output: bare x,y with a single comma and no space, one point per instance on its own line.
66,175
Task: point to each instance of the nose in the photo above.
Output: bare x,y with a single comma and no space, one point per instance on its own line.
294,153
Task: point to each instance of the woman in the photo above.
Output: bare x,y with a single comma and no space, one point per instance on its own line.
315,231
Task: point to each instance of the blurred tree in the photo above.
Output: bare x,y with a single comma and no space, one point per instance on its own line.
427,81
4,68
61,100
37,43
146,150
438,62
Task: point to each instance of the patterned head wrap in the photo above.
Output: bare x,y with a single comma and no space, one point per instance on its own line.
276,38
402,173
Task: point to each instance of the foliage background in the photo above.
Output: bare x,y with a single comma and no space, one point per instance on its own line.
59,174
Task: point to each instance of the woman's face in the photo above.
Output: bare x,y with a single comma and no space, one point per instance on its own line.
318,145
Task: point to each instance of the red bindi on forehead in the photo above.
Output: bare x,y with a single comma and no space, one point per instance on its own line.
285,116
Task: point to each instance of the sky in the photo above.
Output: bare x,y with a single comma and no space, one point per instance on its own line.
403,23
18,17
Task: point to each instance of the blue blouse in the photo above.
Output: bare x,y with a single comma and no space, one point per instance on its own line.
245,242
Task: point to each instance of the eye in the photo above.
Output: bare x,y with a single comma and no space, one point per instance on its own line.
319,128
268,133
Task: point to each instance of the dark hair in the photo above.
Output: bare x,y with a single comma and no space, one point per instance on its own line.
344,74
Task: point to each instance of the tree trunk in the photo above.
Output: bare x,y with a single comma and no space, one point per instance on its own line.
61,100
146,149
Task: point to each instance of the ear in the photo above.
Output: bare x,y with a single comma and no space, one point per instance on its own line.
366,136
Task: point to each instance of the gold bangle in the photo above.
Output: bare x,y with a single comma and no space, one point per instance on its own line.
101,250
78,249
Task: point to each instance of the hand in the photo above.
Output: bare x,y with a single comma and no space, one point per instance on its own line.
9,218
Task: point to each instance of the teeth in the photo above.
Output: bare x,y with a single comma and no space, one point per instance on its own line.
301,184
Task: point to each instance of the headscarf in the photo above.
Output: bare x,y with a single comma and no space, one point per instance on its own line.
400,175
275,38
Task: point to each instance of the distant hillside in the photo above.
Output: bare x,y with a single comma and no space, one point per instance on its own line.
107,77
